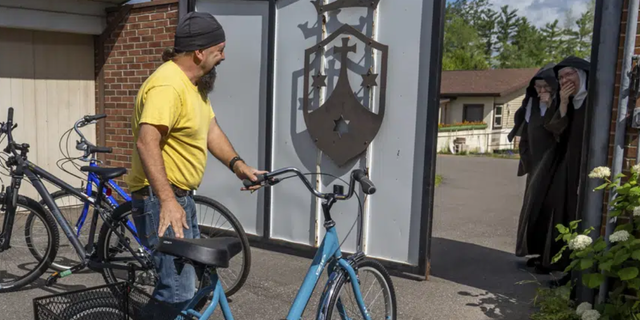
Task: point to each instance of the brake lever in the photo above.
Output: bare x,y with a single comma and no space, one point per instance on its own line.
272,181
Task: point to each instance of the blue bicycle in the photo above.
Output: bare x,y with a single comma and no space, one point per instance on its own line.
346,294
214,219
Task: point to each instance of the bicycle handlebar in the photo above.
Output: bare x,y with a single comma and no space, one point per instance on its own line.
358,175
367,185
88,119
12,146
92,149
84,144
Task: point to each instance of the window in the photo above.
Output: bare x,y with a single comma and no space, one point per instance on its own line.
473,113
443,113
498,110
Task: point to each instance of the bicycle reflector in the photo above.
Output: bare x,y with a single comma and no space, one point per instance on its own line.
108,191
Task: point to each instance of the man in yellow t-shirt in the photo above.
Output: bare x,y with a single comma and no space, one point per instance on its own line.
173,127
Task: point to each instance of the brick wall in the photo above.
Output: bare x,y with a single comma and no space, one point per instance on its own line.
132,52
631,137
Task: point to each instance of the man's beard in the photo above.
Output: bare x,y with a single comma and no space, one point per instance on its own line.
206,82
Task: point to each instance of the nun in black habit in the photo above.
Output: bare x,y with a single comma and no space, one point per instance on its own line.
568,125
537,154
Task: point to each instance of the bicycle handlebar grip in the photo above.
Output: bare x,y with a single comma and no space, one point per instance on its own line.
100,149
94,117
248,183
10,116
367,186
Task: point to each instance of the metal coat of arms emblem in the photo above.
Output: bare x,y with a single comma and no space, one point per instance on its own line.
342,127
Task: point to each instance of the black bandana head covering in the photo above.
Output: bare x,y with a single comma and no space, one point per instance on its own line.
198,30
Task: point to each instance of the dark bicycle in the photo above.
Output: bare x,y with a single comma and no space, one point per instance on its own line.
214,219
16,271
90,258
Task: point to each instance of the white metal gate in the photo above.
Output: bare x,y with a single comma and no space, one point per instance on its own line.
258,100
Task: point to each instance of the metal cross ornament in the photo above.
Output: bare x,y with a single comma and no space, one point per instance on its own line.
339,4
342,127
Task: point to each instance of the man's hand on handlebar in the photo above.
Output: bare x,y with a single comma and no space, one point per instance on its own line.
244,171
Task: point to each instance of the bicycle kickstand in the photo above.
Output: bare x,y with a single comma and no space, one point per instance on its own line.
131,274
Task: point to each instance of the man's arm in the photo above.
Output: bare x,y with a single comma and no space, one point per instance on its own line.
219,144
171,213
148,146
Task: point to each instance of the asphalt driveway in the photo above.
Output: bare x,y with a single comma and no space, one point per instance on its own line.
474,272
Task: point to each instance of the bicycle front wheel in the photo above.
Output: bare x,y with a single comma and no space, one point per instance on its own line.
376,290
15,266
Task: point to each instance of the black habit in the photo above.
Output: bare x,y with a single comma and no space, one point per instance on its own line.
537,154
565,187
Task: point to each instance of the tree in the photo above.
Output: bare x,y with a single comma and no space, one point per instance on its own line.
584,34
463,49
528,44
479,37
487,29
552,40
507,25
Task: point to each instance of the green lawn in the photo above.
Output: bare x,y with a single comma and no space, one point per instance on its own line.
438,179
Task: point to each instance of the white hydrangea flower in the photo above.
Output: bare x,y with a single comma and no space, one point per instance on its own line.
591,315
585,306
580,242
600,173
636,168
636,212
619,236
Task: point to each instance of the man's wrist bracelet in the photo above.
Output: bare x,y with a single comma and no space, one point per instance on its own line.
233,162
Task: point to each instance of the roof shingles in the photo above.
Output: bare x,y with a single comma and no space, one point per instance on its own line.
495,82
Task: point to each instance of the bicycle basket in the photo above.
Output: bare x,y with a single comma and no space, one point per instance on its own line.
118,301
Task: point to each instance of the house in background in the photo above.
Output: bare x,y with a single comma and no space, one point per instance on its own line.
477,108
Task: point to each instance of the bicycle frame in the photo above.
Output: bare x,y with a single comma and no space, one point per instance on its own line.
34,174
327,254
91,179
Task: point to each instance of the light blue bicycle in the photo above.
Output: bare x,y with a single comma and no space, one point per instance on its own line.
345,274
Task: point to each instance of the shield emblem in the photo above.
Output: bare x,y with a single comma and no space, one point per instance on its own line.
342,127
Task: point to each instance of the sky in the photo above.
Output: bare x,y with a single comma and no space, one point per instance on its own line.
539,12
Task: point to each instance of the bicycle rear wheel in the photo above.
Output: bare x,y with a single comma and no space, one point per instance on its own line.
214,220
43,233
343,304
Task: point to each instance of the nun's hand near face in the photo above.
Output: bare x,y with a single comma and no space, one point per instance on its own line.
545,97
567,90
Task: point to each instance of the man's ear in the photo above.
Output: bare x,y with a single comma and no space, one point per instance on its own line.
198,56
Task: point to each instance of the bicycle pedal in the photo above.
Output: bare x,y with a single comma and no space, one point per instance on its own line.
53,278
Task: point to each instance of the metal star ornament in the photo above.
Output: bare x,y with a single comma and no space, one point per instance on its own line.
341,126
369,79
319,80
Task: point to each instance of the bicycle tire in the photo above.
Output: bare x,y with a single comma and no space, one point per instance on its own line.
52,249
107,305
124,210
237,226
346,280
57,195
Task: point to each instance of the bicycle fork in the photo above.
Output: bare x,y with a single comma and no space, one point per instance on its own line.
9,203
335,277
8,207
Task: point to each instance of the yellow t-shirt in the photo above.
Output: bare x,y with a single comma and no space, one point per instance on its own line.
169,98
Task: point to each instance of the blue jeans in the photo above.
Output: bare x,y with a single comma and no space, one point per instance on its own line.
176,289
